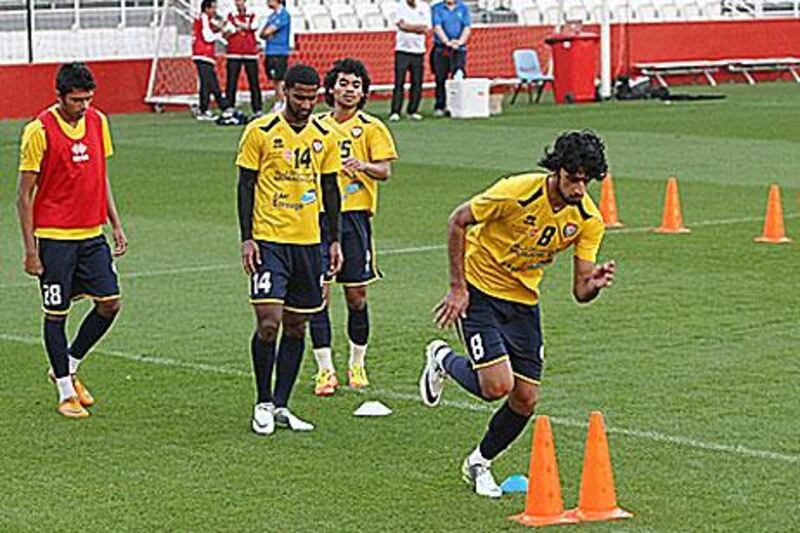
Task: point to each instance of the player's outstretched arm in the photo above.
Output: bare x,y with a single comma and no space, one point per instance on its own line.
377,170
25,193
589,278
454,305
332,200
246,194
120,240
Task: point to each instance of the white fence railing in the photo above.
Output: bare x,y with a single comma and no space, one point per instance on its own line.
58,30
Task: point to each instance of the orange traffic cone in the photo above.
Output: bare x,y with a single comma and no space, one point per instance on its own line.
543,504
608,204
597,500
773,223
672,221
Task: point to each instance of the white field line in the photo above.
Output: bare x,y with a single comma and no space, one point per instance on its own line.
453,404
396,251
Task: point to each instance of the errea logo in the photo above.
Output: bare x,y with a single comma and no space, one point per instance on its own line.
80,153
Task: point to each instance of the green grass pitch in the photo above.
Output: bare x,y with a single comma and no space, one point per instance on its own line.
692,355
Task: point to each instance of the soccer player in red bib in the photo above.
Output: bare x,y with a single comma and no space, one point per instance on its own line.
64,199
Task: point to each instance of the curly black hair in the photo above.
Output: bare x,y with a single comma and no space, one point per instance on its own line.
302,75
346,66
576,151
72,76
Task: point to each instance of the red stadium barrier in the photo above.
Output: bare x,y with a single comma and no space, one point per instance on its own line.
122,84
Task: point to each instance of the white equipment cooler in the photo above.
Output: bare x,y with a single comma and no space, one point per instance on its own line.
468,98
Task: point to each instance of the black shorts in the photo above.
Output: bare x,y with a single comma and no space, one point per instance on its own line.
276,66
74,270
496,330
360,267
289,274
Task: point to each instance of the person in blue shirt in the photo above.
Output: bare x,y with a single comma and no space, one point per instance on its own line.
451,28
275,33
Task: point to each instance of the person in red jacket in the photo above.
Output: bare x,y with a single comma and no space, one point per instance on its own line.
206,31
64,199
243,52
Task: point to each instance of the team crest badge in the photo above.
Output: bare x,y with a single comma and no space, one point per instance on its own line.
317,145
570,230
356,132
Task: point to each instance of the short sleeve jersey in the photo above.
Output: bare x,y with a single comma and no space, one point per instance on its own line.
368,139
288,194
517,234
278,43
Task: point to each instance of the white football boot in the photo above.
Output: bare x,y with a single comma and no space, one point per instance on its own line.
284,418
479,475
263,422
433,376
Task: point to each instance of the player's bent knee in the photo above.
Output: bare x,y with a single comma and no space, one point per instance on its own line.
356,298
267,329
109,308
495,389
294,325
523,398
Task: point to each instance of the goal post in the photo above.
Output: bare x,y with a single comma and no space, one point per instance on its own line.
172,79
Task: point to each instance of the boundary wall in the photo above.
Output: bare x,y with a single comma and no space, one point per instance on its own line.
26,89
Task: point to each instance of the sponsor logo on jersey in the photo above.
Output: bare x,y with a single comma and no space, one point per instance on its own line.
309,197
353,187
80,153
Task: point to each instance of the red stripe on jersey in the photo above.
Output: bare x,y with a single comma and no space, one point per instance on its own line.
71,189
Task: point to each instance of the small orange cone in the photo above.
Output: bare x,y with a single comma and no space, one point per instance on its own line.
598,499
773,222
608,204
672,221
543,504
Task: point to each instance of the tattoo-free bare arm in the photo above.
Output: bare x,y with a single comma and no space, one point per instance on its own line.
26,190
588,278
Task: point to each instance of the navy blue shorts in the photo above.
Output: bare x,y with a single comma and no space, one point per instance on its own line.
74,270
496,330
289,274
360,267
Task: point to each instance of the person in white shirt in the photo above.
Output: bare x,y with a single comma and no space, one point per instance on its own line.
413,22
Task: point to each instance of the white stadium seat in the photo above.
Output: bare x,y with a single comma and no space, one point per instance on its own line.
530,16
298,20
344,17
389,10
318,18
373,21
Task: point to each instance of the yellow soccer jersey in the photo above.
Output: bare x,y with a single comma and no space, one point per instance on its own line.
518,234
368,139
288,195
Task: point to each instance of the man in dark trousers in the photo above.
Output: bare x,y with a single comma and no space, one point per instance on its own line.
451,29
413,22
243,52
206,31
